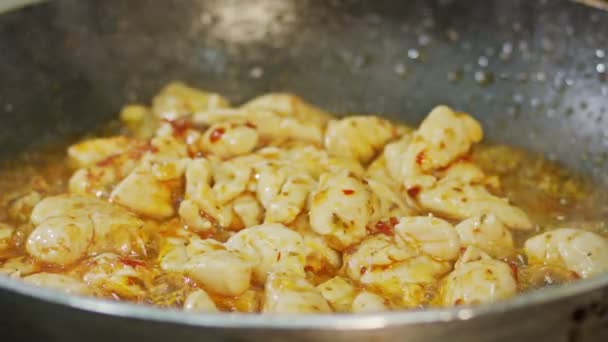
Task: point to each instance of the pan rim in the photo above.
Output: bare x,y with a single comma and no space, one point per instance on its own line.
336,321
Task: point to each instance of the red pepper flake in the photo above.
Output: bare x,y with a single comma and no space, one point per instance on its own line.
250,125
362,270
393,221
138,151
387,227
413,191
279,257
132,262
108,160
348,192
420,157
217,134
459,301
179,126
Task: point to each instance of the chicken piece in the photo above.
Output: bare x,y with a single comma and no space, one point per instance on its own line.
319,255
387,201
61,240
231,178
270,248
92,151
291,293
393,156
358,137
100,179
223,271
6,236
583,252
339,292
441,138
199,301
227,140
393,268
272,126
282,191
70,227
19,267
144,194
166,158
454,199
340,208
111,273
139,120
375,252
487,233
368,302
406,280
429,235
201,197
248,210
177,100
477,279
290,105
21,208
60,282
208,262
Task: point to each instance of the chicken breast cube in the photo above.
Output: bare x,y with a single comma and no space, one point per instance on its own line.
227,140
340,208
61,240
139,120
456,200
476,279
290,200
387,201
289,293
111,273
405,280
144,194
441,138
432,236
583,252
394,158
339,293
60,282
487,233
99,179
319,255
199,301
177,100
376,251
288,104
271,248
248,209
217,269
69,227
210,185
368,302
358,137
272,126
92,151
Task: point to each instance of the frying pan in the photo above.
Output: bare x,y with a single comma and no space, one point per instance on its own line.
533,72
